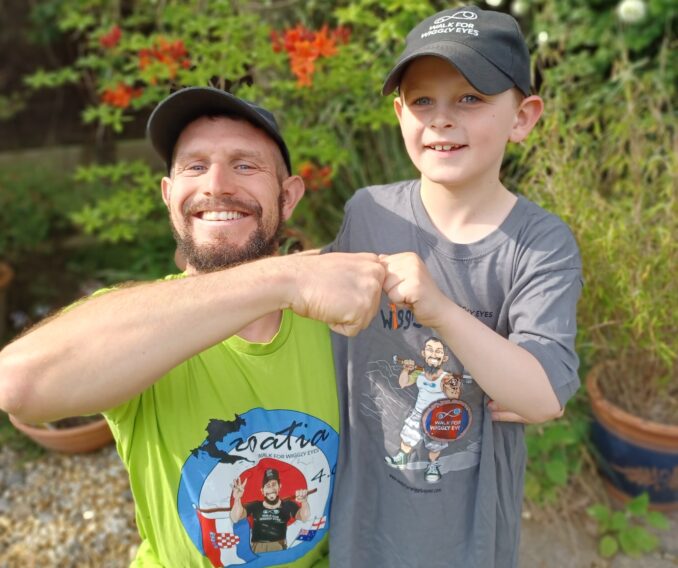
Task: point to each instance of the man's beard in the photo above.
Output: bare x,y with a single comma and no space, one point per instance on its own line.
272,501
431,369
220,254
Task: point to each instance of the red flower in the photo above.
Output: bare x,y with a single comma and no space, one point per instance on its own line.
171,54
121,96
314,177
304,46
111,39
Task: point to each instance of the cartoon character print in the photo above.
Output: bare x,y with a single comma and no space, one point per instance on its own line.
438,417
257,491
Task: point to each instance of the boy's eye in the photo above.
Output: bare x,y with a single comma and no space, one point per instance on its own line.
422,101
470,99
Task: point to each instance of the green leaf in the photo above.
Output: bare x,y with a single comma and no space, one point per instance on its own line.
556,470
638,506
658,520
608,546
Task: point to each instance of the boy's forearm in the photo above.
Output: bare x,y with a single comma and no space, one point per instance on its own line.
509,374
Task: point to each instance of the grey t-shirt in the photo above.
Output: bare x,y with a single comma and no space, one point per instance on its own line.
523,280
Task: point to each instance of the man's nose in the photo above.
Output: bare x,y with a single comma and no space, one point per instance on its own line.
219,180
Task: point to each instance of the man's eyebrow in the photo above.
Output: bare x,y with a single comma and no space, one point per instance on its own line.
233,154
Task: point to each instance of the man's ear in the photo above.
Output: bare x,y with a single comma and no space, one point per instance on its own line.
527,115
292,191
166,187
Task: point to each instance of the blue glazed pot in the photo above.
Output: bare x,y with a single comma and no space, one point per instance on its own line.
634,455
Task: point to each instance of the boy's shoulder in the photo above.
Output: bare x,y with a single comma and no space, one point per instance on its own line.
384,194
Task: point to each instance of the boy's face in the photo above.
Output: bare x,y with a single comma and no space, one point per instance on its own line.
455,135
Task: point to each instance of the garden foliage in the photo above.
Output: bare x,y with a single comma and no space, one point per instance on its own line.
603,157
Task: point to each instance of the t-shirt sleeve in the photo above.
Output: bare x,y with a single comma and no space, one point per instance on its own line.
341,241
542,307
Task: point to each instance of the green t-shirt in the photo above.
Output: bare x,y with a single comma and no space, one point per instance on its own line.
235,411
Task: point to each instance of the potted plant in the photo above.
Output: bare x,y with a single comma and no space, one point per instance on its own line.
70,435
606,163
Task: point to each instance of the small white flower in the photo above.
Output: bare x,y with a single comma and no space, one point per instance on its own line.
631,11
88,515
542,38
494,3
519,8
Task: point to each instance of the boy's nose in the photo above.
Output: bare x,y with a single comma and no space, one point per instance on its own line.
442,120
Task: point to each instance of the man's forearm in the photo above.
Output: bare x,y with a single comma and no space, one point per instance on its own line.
110,348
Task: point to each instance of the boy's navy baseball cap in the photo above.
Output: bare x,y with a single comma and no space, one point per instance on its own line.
486,46
182,107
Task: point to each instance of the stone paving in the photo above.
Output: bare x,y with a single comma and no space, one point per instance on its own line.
77,511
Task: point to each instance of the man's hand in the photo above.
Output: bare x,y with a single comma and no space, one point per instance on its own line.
301,495
341,289
408,283
238,488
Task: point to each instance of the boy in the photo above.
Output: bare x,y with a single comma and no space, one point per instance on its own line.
479,314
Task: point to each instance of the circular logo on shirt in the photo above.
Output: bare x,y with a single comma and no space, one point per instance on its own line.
446,420
257,491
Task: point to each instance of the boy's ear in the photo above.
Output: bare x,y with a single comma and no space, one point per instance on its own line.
292,189
166,188
527,115
398,107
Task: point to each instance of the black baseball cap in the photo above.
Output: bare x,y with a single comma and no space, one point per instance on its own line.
486,46
182,107
269,475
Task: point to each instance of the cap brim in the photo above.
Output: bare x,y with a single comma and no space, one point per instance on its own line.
483,75
172,115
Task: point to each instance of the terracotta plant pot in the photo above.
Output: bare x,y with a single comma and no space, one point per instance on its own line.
74,440
6,277
634,455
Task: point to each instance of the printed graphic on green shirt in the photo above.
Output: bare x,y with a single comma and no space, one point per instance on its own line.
257,491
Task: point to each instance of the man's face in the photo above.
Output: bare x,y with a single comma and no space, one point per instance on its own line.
270,491
225,196
434,354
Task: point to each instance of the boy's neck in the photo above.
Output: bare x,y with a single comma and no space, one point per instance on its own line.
466,215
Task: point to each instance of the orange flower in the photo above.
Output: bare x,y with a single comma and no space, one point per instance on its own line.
304,46
314,177
111,39
121,96
171,54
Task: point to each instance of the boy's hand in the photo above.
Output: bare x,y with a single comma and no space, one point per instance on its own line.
501,415
409,283
341,289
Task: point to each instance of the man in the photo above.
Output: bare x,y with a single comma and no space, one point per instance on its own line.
229,347
270,516
434,384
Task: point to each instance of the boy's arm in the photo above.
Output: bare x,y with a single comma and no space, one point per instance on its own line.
510,375
109,348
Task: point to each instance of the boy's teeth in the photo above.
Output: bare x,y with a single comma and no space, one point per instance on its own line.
439,147
221,215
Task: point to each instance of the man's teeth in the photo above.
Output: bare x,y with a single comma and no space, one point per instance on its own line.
221,215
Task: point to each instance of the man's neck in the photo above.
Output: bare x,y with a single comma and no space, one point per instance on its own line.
466,215
268,505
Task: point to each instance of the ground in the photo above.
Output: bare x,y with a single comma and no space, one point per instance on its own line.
77,511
